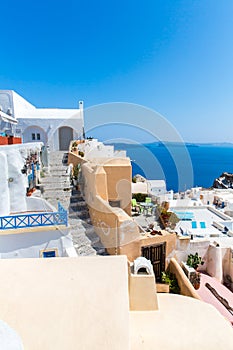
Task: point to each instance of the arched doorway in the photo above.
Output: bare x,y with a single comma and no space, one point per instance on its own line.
65,136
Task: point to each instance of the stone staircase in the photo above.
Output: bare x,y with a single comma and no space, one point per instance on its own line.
56,187
82,230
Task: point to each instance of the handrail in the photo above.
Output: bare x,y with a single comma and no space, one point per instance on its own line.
35,220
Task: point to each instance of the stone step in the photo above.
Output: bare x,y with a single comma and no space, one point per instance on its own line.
90,229
76,199
81,211
58,173
62,192
94,238
75,191
100,250
78,231
81,241
75,223
85,251
55,186
79,204
87,223
79,214
54,202
54,178
62,167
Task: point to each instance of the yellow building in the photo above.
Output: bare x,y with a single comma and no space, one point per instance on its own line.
96,303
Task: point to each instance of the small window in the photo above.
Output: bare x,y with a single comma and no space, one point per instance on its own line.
49,253
115,204
38,136
33,136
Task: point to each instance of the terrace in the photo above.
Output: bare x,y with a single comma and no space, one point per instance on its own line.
32,220
199,222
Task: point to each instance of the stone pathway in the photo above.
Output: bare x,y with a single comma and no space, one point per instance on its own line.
56,187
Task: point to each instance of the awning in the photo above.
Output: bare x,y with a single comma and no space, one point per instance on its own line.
7,118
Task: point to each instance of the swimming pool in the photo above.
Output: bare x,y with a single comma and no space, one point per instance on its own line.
184,215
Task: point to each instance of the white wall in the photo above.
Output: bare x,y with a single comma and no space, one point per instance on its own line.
38,204
28,245
214,262
50,127
27,134
13,183
17,188
156,187
95,149
5,194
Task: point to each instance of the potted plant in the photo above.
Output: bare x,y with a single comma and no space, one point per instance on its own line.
74,146
170,279
194,260
75,174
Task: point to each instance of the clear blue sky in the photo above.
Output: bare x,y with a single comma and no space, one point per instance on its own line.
174,56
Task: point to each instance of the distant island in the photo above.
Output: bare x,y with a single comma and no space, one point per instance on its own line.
169,143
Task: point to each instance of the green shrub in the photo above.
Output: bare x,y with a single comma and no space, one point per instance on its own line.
170,278
194,260
140,197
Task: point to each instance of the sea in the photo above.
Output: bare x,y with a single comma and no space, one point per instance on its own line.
182,166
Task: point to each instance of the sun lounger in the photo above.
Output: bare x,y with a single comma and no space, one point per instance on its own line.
194,224
202,224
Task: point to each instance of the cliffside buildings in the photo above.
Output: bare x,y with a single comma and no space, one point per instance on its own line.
55,127
91,302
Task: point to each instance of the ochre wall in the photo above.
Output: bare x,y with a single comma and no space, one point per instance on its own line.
185,285
114,227
119,184
117,230
142,293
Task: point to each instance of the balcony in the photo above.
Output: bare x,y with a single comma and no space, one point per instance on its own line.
35,220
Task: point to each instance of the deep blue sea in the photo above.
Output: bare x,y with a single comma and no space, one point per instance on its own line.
182,167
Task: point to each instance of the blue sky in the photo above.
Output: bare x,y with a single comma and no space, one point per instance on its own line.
174,56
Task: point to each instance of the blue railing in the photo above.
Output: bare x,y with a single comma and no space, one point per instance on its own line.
34,220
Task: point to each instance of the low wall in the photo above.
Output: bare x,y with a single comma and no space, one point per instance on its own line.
35,204
75,159
113,225
228,267
219,213
185,285
28,243
115,228
213,262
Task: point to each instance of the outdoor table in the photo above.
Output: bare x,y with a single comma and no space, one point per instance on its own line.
146,206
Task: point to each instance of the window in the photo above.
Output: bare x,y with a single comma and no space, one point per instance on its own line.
49,253
38,136
33,136
115,204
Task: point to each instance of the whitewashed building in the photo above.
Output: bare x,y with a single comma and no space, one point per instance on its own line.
29,226
92,148
156,187
55,127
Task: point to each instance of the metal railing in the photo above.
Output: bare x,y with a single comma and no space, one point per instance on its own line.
35,220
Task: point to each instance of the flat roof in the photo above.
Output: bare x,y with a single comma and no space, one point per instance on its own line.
200,215
83,303
180,323
67,303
